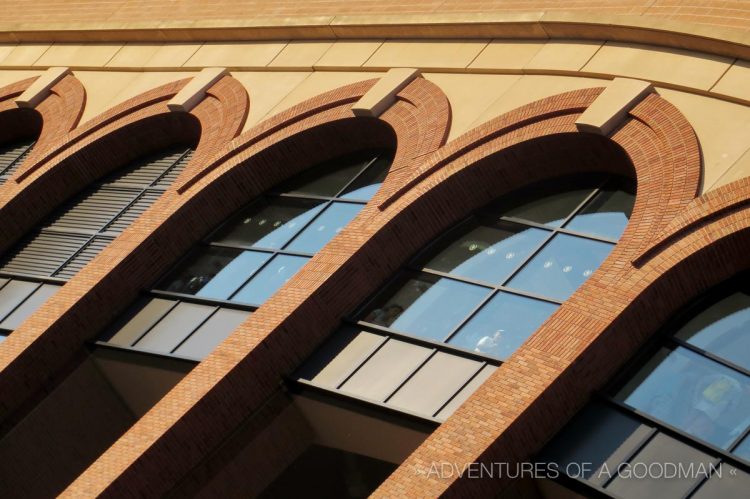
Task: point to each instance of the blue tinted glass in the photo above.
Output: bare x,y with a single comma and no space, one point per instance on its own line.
323,228
606,215
503,324
489,254
697,395
272,277
427,306
233,275
743,450
563,265
368,183
271,224
549,209
723,329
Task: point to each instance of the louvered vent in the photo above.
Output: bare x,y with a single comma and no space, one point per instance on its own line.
12,156
84,227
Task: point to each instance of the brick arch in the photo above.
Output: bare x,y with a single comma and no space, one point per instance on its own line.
50,120
279,335
416,125
553,373
137,127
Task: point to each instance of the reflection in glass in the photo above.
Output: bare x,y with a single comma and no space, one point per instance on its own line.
325,227
200,269
274,275
367,184
488,254
271,224
606,215
743,449
427,306
695,394
723,329
503,324
327,179
561,267
551,209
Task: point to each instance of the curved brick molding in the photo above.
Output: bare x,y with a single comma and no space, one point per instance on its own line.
531,395
445,186
134,128
53,117
207,403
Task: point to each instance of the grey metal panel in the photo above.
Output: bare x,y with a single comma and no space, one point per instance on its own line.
388,367
141,320
13,293
435,383
465,392
661,449
94,211
211,333
132,212
174,327
28,307
146,171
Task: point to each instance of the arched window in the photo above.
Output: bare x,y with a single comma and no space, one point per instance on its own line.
79,231
12,156
425,342
241,264
686,402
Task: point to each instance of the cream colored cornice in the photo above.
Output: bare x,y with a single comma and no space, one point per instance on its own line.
528,25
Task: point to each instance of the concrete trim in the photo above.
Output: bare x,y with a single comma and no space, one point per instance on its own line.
523,25
382,95
39,90
192,93
611,107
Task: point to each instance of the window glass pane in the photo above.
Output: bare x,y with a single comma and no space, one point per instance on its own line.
637,482
139,321
465,392
561,267
488,253
214,272
28,307
727,483
174,327
427,306
723,329
743,449
14,293
550,209
599,435
385,370
325,227
326,179
272,277
369,181
435,383
503,324
688,391
339,356
211,333
271,224
234,275
606,215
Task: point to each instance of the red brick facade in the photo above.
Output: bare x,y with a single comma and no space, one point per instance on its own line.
675,247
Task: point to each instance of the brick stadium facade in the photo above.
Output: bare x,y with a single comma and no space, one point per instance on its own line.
231,425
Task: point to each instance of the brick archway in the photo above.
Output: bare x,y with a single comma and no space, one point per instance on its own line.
397,222
134,128
270,152
49,121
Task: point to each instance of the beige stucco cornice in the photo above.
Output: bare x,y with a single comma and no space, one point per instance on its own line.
531,25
